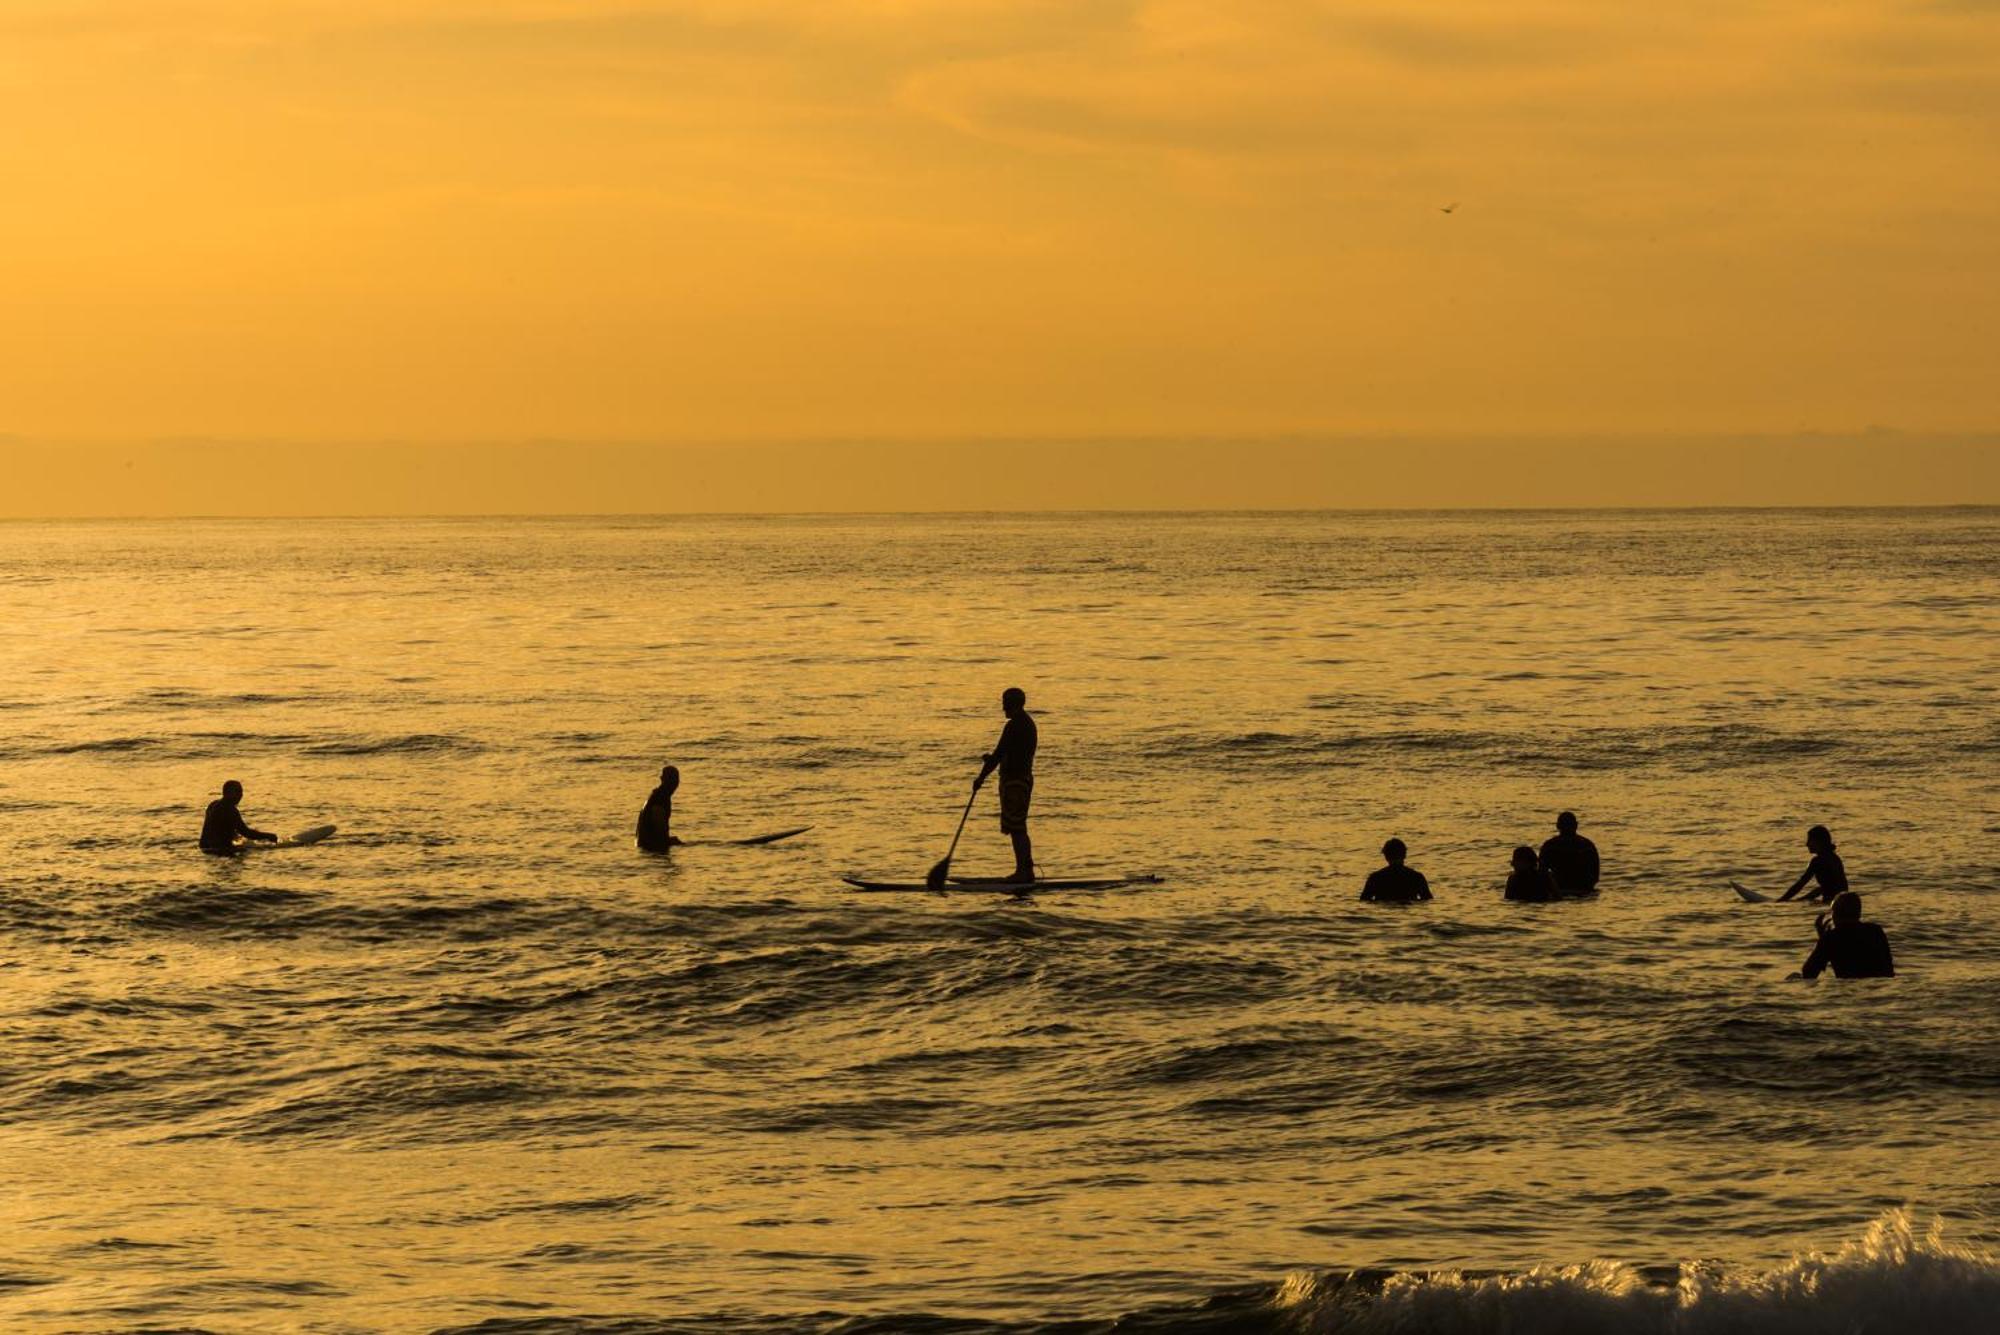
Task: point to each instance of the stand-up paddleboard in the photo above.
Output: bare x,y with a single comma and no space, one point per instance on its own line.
752,841
987,885
299,840
1750,896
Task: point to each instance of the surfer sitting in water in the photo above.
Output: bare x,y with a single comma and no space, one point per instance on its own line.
1570,859
1854,948
1014,756
1529,880
224,825
1825,867
656,818
1395,883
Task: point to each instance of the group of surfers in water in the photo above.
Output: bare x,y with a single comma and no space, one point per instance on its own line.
1566,866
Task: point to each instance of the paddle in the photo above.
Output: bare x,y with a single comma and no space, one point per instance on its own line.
935,881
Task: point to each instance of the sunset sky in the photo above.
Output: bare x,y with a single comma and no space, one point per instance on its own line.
295,222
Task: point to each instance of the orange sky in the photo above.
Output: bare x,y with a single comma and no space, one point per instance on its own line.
300,221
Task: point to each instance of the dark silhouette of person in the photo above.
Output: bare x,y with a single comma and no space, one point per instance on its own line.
1395,883
1854,948
656,818
1570,859
1014,756
1825,867
1530,881
223,825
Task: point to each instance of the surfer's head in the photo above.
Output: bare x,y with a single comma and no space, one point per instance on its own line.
232,791
1819,839
1395,851
1013,700
670,778
1524,858
1566,822
1846,908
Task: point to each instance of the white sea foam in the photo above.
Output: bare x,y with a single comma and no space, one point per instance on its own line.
1898,1276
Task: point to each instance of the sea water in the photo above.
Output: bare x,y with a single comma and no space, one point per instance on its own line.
476,1062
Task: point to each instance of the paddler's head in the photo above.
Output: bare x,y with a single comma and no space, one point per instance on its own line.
670,778
1819,839
1013,700
1846,908
1394,852
1566,823
232,792
1524,858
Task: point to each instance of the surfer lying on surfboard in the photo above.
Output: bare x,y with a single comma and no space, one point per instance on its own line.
224,824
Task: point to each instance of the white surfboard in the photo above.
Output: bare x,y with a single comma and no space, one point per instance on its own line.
299,840
1750,896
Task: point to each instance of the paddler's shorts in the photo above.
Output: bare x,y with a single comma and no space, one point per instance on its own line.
1014,797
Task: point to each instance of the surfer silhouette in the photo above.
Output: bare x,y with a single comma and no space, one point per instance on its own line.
1530,881
1395,883
1570,859
1014,756
656,818
1825,868
1855,949
223,825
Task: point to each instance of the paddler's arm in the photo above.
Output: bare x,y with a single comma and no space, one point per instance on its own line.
243,828
1817,961
992,758
1797,885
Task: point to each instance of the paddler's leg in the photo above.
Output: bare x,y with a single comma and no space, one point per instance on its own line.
1024,857
1014,798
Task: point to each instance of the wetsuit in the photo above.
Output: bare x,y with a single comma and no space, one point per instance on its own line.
1532,886
1571,861
1855,950
223,824
656,820
1396,884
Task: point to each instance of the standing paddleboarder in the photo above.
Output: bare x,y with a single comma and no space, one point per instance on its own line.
1014,756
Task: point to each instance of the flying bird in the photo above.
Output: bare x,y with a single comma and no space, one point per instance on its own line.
1450,208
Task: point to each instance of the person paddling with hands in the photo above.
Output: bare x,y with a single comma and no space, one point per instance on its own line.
1014,756
1825,868
224,825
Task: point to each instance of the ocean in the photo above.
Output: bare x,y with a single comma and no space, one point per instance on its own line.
475,1063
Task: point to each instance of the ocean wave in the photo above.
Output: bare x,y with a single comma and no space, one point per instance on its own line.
408,743
1895,1278
105,744
1606,748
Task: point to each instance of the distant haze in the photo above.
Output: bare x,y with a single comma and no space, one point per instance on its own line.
196,478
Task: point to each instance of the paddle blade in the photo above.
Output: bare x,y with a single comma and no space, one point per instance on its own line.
935,881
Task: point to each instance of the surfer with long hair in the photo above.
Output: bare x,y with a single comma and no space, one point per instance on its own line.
1825,868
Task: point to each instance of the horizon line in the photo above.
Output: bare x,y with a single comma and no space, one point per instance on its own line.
1001,513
